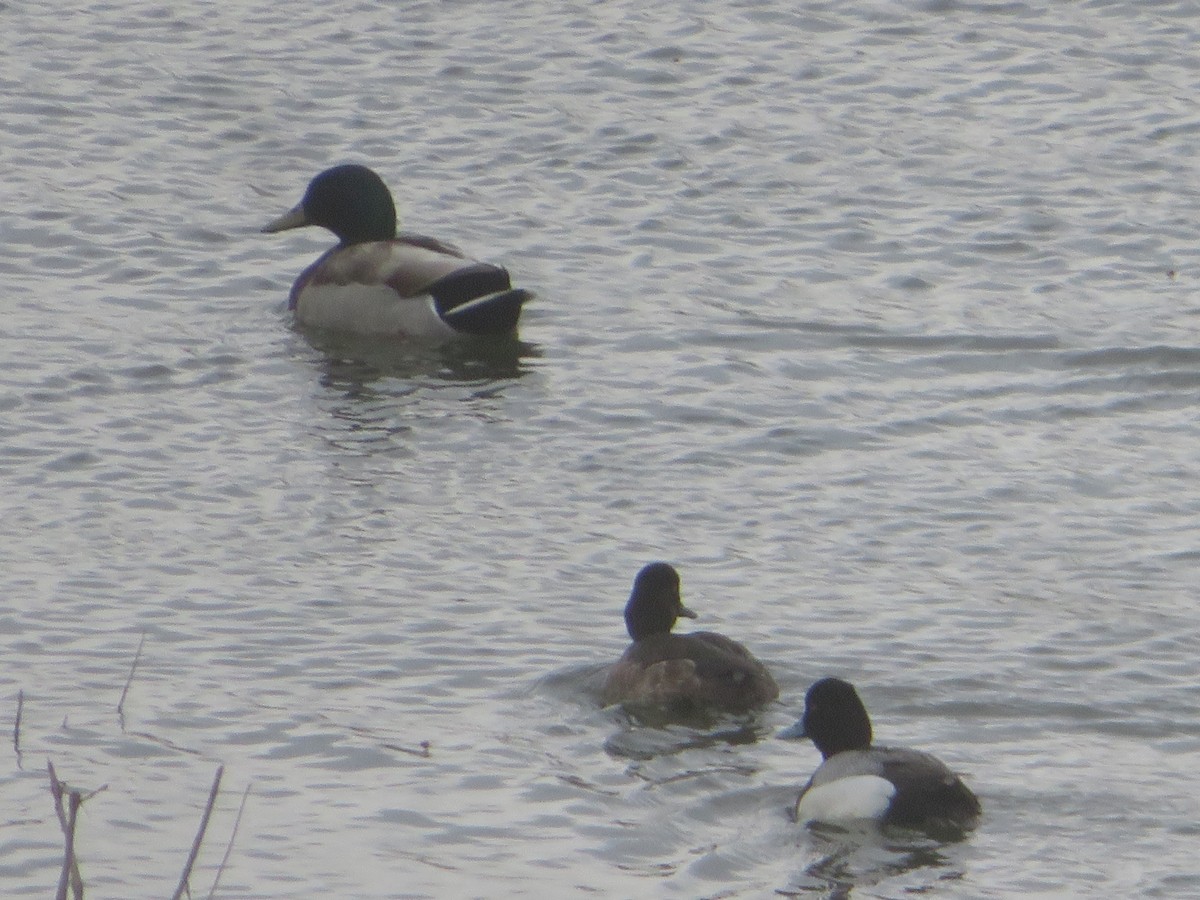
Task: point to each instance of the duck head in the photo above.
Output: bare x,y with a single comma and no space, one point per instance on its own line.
655,603
835,718
350,200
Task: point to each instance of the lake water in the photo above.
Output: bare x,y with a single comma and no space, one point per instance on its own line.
877,319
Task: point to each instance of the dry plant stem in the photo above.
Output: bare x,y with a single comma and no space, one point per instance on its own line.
73,868
423,752
17,727
229,847
70,871
128,681
191,860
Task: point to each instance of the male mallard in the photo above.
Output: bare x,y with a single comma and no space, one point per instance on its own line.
377,282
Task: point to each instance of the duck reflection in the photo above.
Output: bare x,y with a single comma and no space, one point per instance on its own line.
375,391
861,857
349,362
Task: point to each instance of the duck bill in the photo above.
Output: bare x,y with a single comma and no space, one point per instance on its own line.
686,613
293,218
794,732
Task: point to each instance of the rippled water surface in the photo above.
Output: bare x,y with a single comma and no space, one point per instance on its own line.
878,319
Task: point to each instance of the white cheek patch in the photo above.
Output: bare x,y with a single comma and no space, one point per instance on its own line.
855,797
370,309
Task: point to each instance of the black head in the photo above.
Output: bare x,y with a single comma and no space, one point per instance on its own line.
351,201
835,718
655,603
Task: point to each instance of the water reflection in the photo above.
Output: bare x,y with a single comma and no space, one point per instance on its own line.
638,739
378,390
852,858
351,361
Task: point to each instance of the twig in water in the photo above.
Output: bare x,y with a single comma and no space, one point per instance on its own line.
229,848
423,752
70,866
191,860
17,727
70,871
128,681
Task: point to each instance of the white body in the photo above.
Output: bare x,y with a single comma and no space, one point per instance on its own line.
371,309
846,799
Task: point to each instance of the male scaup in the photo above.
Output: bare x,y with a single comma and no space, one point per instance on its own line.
696,670
377,282
890,785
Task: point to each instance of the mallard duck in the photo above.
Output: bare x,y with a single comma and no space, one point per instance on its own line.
700,669
380,283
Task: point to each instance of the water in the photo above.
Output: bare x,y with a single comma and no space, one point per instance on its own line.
878,320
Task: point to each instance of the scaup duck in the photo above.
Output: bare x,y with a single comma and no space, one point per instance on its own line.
696,670
857,781
381,283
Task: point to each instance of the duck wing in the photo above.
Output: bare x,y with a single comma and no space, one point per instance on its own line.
926,790
472,297
725,658
701,669
469,297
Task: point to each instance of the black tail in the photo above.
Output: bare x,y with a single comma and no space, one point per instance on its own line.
944,810
493,314
479,299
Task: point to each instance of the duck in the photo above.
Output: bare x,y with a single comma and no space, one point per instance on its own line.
857,780
383,283
698,670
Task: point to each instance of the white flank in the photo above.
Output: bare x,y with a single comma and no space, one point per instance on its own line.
373,309
847,799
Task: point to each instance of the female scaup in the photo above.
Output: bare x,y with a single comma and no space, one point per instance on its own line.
696,670
377,282
890,785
